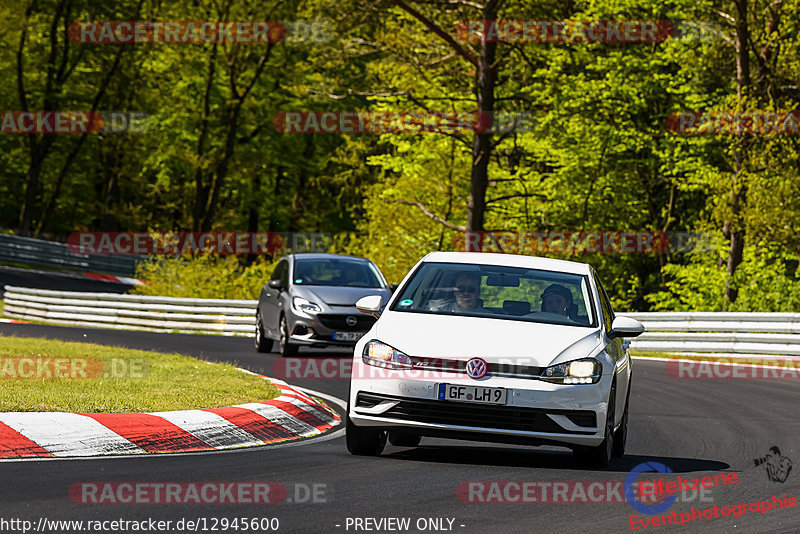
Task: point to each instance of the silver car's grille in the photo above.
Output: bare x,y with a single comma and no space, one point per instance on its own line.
338,321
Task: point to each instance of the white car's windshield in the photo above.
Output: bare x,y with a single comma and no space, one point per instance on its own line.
498,292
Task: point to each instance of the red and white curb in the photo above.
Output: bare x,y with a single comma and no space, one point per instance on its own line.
112,278
291,416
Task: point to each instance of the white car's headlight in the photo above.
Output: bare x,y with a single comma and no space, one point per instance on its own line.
585,371
382,355
301,304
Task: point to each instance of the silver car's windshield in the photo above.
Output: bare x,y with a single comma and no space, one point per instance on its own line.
498,292
336,272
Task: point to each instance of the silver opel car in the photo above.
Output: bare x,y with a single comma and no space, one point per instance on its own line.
311,300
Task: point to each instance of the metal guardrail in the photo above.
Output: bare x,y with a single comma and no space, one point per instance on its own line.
728,332
32,251
132,312
737,333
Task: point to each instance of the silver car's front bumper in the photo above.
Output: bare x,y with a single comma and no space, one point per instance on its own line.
320,328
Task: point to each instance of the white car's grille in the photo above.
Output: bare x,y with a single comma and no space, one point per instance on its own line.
507,370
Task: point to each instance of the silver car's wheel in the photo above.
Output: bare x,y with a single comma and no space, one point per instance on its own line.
286,348
261,342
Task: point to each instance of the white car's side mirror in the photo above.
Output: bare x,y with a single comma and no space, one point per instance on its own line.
625,327
371,305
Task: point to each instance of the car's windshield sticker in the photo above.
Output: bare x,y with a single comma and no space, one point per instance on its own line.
407,302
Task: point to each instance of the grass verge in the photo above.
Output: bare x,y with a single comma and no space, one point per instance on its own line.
39,375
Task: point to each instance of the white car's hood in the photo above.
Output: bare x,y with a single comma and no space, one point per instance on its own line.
450,337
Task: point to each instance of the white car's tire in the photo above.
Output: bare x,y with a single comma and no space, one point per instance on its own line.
601,455
364,441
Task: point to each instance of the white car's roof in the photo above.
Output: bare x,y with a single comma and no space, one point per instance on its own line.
509,260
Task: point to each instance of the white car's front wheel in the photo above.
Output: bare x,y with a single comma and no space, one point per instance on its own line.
364,441
601,455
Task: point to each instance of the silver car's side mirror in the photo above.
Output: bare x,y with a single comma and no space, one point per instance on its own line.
371,305
625,327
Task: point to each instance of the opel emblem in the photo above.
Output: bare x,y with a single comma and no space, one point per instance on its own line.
351,320
477,368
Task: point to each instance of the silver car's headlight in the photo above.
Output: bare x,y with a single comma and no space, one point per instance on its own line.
382,355
301,304
585,371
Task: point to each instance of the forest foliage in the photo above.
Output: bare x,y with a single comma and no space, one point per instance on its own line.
597,154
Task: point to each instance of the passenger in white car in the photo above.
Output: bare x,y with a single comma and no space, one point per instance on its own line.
558,299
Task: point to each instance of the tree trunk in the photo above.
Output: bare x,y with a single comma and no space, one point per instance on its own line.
482,141
221,171
733,228
201,190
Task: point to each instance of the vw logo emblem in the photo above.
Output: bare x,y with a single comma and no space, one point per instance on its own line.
351,320
477,368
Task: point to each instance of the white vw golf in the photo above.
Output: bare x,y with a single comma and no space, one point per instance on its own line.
493,347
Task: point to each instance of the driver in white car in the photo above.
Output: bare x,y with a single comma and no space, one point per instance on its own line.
466,293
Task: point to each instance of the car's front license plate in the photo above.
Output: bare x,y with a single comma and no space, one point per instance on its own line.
348,336
478,394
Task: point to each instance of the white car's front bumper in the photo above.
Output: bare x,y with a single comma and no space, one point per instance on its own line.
536,411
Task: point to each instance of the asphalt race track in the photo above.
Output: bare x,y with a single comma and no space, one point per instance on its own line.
695,427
